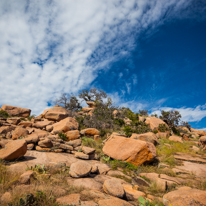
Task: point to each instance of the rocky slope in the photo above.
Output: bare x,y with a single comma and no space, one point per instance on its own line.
47,160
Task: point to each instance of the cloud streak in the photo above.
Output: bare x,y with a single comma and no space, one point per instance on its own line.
188,114
49,47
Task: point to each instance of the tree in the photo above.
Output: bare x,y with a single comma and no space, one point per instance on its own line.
172,118
68,101
143,112
186,124
94,95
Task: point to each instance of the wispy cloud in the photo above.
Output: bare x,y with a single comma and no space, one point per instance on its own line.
188,114
49,47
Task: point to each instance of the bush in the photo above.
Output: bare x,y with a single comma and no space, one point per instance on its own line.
172,118
4,114
128,131
119,122
138,128
31,116
162,128
63,136
176,131
155,131
143,112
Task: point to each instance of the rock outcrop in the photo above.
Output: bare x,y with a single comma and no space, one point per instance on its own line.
133,151
13,150
16,111
56,113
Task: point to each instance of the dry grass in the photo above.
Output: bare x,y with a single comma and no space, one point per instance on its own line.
44,187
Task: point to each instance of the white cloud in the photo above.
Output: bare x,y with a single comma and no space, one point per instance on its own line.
49,47
188,114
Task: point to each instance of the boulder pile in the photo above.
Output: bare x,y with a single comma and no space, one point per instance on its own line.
52,131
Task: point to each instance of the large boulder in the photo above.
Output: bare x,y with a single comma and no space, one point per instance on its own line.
154,122
65,125
147,137
133,151
16,111
89,132
19,132
185,196
13,150
56,113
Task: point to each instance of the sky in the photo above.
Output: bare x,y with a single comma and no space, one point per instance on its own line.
145,54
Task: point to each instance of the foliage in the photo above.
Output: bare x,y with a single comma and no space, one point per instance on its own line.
131,115
154,115
31,117
94,94
80,120
176,131
138,128
128,131
172,118
38,168
124,165
186,124
97,145
162,128
69,102
4,114
102,117
143,112
123,178
40,198
119,122
143,202
63,136
155,131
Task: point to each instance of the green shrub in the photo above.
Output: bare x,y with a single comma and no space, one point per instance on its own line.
119,122
80,120
155,131
31,116
162,128
128,131
63,136
4,114
176,131
144,202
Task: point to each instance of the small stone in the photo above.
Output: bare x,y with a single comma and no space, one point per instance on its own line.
80,169
38,148
45,143
30,146
6,198
114,188
65,147
25,178
88,150
97,138
74,143
81,155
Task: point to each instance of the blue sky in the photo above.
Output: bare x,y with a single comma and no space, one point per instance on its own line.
144,54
